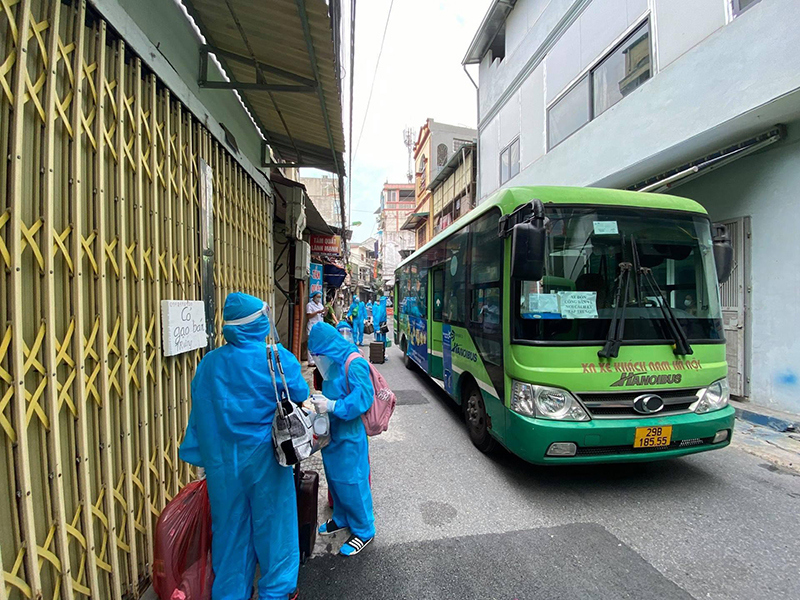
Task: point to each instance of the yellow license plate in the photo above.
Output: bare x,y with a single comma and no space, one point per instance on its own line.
653,437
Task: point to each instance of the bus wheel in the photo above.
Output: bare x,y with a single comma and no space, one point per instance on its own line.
475,417
406,358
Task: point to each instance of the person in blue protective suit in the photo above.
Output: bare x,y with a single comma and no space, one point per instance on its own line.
380,318
253,499
356,313
346,458
369,308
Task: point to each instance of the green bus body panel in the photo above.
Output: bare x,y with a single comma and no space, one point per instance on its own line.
577,368
435,367
529,438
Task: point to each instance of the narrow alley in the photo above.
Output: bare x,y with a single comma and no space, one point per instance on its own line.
453,523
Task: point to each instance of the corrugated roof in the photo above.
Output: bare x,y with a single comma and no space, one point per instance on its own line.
261,43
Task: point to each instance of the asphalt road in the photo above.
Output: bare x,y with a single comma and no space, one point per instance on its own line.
453,523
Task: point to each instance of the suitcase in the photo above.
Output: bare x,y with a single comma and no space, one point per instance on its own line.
307,484
377,353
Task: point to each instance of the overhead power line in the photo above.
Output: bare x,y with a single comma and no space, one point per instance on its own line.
374,74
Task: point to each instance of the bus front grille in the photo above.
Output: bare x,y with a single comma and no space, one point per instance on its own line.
611,450
619,405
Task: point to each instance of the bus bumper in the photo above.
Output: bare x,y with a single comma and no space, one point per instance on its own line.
611,440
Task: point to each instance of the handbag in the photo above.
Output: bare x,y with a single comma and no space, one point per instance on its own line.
369,327
292,427
384,327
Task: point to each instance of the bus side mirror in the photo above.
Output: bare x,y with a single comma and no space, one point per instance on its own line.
527,250
723,252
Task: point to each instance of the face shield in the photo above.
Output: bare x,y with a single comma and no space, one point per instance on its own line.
347,334
325,365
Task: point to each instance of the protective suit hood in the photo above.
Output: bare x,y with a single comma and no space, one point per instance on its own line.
325,340
240,306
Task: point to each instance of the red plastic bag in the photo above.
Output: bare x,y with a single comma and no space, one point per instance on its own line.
182,563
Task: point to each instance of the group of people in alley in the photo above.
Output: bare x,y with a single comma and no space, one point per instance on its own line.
252,497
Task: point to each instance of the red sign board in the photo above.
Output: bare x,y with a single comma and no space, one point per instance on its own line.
329,245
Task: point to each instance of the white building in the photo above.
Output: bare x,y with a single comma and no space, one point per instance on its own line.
698,97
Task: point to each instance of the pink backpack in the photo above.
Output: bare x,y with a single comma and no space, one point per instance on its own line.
376,419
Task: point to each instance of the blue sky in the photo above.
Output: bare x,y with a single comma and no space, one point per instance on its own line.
419,76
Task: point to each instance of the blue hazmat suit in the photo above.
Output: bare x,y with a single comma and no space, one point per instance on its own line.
356,312
253,499
346,458
379,316
369,309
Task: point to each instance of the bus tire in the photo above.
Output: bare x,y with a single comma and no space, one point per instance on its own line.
409,364
476,419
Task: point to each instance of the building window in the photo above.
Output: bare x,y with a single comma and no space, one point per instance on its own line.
739,6
620,72
441,155
509,161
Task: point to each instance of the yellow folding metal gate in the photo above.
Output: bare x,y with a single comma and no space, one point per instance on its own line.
99,222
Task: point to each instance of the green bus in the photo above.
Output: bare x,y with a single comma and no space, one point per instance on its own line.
575,324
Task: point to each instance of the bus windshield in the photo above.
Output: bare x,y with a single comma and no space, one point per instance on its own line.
576,299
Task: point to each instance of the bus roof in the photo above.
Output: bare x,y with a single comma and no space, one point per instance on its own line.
510,198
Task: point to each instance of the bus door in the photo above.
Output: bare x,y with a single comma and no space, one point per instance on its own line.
435,307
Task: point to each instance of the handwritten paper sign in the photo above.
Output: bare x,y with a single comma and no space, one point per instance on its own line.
183,326
578,305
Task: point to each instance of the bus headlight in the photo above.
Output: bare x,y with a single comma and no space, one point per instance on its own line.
714,397
546,403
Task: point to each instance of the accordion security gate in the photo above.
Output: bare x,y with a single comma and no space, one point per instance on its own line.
100,220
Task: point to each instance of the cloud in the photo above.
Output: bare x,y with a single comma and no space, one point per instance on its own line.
420,76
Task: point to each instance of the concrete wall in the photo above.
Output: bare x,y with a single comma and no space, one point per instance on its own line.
716,84
765,187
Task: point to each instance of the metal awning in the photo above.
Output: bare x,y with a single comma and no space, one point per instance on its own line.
282,57
452,164
414,220
314,221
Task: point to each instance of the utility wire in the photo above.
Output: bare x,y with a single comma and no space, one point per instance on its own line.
374,74
350,149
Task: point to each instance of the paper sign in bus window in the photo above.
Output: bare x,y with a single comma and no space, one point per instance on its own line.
578,305
606,228
540,306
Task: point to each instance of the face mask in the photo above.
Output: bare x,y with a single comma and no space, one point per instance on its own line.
317,301
687,303
325,365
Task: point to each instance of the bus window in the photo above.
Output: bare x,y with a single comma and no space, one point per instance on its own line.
486,275
421,294
455,277
438,293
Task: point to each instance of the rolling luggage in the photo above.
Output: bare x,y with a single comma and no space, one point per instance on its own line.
307,483
377,353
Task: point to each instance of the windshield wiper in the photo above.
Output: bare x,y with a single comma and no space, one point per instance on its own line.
682,346
616,329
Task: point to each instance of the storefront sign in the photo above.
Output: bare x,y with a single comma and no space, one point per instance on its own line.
328,245
315,281
183,326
